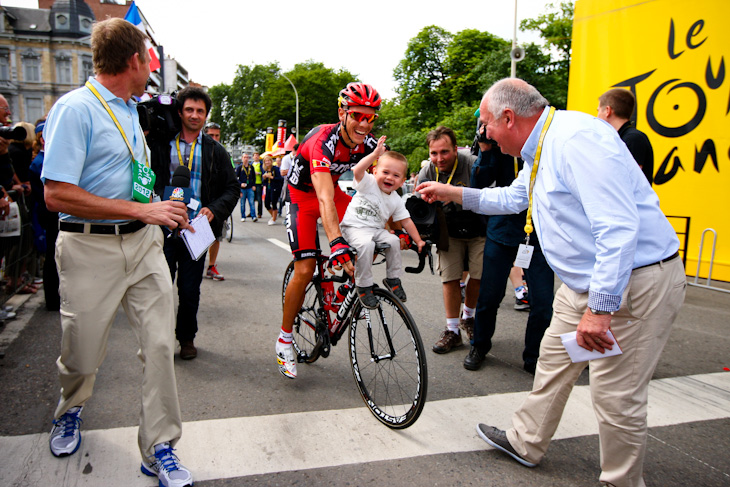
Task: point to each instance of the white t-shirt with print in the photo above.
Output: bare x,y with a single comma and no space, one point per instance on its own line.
371,207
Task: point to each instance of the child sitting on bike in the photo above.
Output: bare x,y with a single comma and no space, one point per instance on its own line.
363,225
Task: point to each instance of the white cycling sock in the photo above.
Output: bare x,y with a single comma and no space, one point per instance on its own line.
453,324
467,312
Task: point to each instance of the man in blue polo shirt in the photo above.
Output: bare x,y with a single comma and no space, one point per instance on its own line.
109,248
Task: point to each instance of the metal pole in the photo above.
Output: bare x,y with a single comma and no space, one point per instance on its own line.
513,64
297,98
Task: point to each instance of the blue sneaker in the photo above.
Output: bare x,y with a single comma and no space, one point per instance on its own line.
167,468
65,434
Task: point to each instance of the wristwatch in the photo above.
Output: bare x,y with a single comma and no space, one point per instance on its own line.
599,312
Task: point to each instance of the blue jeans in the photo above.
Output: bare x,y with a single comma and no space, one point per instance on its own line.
189,277
247,194
498,260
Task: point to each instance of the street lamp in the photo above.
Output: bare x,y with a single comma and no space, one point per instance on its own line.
297,98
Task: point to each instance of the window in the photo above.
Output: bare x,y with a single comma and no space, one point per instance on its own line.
63,69
4,66
87,68
33,108
31,66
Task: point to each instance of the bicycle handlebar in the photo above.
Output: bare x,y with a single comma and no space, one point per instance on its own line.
426,252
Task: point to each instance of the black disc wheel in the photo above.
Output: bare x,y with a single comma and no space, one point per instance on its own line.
388,361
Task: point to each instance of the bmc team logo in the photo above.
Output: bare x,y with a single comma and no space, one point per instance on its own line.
177,194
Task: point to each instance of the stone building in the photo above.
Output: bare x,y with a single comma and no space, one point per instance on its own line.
46,52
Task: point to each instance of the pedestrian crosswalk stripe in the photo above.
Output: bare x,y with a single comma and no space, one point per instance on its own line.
238,447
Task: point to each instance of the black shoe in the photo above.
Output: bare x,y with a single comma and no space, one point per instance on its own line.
397,288
530,367
188,350
367,298
498,439
474,360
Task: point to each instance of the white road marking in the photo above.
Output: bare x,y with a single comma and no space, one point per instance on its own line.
238,447
280,244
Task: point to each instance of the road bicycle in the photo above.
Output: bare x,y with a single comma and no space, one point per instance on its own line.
386,351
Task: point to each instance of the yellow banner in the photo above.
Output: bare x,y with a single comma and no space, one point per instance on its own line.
671,55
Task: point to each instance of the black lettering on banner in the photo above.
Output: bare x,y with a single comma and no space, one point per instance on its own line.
714,82
682,129
662,176
707,150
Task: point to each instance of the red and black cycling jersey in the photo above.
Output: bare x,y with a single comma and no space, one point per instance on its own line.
322,150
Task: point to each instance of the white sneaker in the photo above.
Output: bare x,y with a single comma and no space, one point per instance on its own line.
167,468
286,360
272,222
65,435
243,219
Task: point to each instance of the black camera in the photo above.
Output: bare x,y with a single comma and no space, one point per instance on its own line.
159,117
17,133
428,218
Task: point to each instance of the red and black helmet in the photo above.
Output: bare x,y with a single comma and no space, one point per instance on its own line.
359,94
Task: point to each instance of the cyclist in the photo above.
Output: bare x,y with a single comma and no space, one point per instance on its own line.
326,153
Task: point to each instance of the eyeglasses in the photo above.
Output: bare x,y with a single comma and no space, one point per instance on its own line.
7,109
212,125
362,117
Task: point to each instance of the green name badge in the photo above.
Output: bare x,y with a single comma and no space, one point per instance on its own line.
143,181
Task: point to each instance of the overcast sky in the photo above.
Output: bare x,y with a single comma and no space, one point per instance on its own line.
368,38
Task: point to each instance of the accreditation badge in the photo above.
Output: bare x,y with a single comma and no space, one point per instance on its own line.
143,182
524,256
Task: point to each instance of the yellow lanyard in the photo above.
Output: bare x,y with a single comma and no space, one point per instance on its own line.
192,151
533,175
116,122
247,169
452,171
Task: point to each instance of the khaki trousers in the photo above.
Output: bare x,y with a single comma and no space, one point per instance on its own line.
619,385
97,273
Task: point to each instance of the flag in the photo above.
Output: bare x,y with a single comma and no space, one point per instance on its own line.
135,19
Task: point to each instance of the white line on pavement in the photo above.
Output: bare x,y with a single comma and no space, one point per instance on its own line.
238,447
280,244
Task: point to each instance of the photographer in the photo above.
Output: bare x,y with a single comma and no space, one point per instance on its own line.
465,240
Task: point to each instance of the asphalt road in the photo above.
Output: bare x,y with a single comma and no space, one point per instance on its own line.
247,425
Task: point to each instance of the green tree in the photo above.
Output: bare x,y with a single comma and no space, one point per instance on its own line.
259,97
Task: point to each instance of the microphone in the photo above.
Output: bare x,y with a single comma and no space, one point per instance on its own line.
179,190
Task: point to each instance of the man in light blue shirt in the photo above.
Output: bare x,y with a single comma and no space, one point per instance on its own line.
109,248
604,234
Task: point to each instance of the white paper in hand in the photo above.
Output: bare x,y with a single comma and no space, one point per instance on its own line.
580,354
198,242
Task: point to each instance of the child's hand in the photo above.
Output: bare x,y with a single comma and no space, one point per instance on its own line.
380,148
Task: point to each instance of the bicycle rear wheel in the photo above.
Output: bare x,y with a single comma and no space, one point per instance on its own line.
388,361
307,339
229,230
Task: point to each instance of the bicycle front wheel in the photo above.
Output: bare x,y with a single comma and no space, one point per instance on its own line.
388,361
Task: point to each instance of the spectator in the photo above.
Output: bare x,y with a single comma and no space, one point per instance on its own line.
259,188
247,180
505,233
604,234
466,239
273,182
616,106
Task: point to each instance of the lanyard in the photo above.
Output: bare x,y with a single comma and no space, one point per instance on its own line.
247,169
116,122
533,175
192,151
453,170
